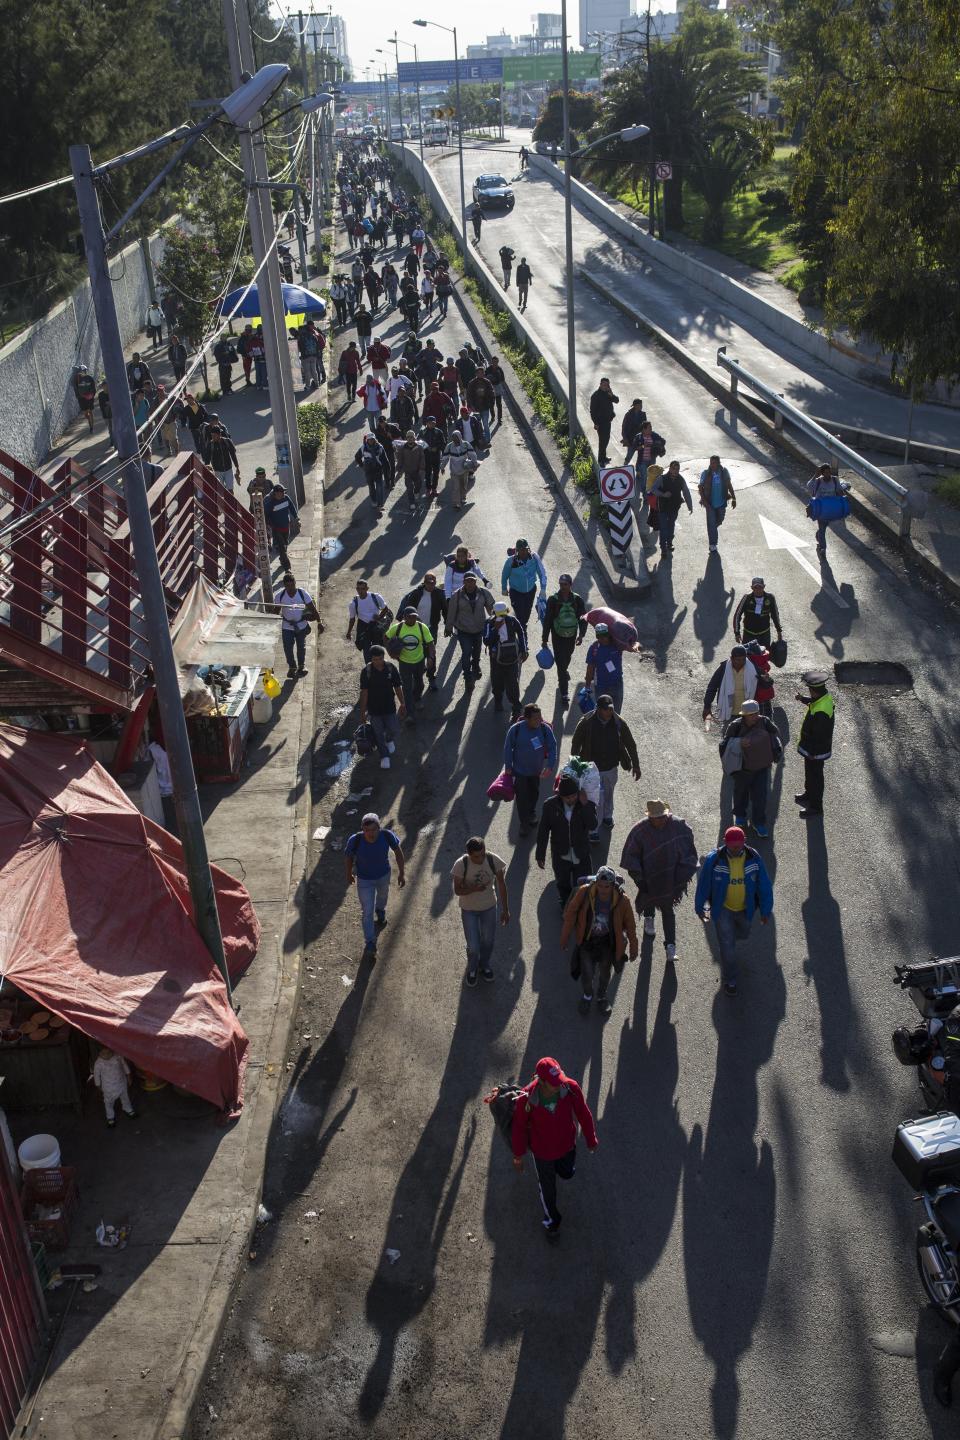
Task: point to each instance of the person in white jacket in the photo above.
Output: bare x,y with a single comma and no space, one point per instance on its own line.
462,461
110,1075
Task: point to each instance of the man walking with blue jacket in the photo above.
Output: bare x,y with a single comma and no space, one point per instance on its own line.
529,755
732,886
521,572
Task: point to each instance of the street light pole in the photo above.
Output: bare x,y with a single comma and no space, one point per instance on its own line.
283,405
134,488
568,235
452,30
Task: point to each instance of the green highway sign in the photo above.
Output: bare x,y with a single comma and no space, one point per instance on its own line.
548,69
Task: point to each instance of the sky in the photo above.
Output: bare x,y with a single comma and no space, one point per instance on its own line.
370,23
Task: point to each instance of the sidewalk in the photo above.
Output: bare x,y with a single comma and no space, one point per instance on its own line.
127,1356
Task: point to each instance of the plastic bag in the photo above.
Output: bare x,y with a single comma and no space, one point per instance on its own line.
545,658
623,632
586,775
541,607
585,700
271,685
502,788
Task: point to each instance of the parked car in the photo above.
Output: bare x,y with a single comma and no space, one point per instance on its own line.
493,191
545,147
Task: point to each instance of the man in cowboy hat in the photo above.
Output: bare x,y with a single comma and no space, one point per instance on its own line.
760,746
816,741
661,857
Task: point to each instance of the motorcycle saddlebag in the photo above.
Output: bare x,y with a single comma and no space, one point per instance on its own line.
912,1047
927,1151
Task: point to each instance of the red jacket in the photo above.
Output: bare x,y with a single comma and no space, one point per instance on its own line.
548,1134
378,355
439,405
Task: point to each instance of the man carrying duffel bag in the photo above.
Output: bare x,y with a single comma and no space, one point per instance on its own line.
828,502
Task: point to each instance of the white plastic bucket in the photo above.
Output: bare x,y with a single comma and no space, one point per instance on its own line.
40,1152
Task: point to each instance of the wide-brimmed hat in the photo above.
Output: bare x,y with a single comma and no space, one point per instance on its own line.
656,808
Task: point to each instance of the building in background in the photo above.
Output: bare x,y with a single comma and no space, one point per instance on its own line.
329,32
602,17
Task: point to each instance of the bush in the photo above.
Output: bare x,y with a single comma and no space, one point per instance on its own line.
947,488
775,198
312,429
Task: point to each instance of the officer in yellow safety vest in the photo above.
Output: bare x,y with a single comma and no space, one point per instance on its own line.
816,741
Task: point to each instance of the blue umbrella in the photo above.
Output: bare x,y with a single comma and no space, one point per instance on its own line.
296,301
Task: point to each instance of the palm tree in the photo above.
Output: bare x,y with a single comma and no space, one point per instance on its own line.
719,168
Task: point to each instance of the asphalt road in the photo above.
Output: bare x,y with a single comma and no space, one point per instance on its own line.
691,314
737,1258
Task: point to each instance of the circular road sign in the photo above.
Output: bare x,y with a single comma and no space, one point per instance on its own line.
664,170
617,483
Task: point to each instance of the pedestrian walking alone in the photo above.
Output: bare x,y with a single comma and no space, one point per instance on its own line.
563,629
600,918
529,755
751,745
733,886
661,858
297,609
479,878
368,611
716,489
603,407
825,485
367,859
506,264
606,739
524,281
546,1118
476,220
815,743
756,613
566,822
283,521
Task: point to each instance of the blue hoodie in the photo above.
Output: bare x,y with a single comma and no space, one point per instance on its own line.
527,751
523,577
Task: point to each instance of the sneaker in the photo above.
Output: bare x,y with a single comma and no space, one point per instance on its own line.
550,1227
381,918
762,830
471,979
391,746
564,700
608,821
291,674
111,1124
302,670
713,549
799,799
649,925
808,814
672,956
385,763
487,974
584,1004
594,835
740,820
370,953
605,1007
730,987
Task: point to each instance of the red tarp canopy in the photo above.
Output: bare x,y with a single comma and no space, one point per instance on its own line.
95,919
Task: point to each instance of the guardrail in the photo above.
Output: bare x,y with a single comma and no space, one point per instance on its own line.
910,504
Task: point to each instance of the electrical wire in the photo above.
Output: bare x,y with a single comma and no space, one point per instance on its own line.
36,190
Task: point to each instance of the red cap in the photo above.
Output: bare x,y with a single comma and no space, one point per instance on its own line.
734,836
549,1071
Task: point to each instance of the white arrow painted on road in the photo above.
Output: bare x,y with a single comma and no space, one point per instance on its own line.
779,539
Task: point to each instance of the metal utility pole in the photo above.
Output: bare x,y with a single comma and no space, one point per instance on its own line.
568,234
283,403
134,487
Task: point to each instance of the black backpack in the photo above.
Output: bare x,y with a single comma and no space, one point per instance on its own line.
502,1101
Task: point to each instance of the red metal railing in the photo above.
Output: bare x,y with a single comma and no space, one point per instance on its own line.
22,1312
69,600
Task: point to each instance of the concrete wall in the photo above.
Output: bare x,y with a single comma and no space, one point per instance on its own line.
36,369
839,355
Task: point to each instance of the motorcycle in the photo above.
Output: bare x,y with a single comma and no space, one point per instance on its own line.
934,987
927,1154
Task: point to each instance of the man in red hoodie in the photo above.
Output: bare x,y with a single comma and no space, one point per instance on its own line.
545,1121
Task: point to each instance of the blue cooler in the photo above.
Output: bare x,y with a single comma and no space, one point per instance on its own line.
829,507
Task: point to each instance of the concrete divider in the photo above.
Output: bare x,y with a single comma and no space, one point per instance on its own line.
594,534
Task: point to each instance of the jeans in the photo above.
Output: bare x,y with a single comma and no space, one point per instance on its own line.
547,1172
822,534
608,781
732,925
669,917
372,417
411,678
386,728
443,301
568,872
563,648
527,789
470,652
431,471
750,794
341,309
603,440
350,381
372,895
522,293
290,639
668,527
715,517
260,371
485,422
596,963
480,932
309,370
813,784
521,603
375,487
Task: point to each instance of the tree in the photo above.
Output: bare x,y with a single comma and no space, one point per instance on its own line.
875,91
192,269
213,201
690,91
584,110
719,168
478,113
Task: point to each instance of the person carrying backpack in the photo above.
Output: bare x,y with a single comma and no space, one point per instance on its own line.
506,645
367,610
506,264
564,627
479,877
546,1117
600,917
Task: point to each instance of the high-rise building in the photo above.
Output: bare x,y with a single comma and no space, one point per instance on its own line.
602,17
323,32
